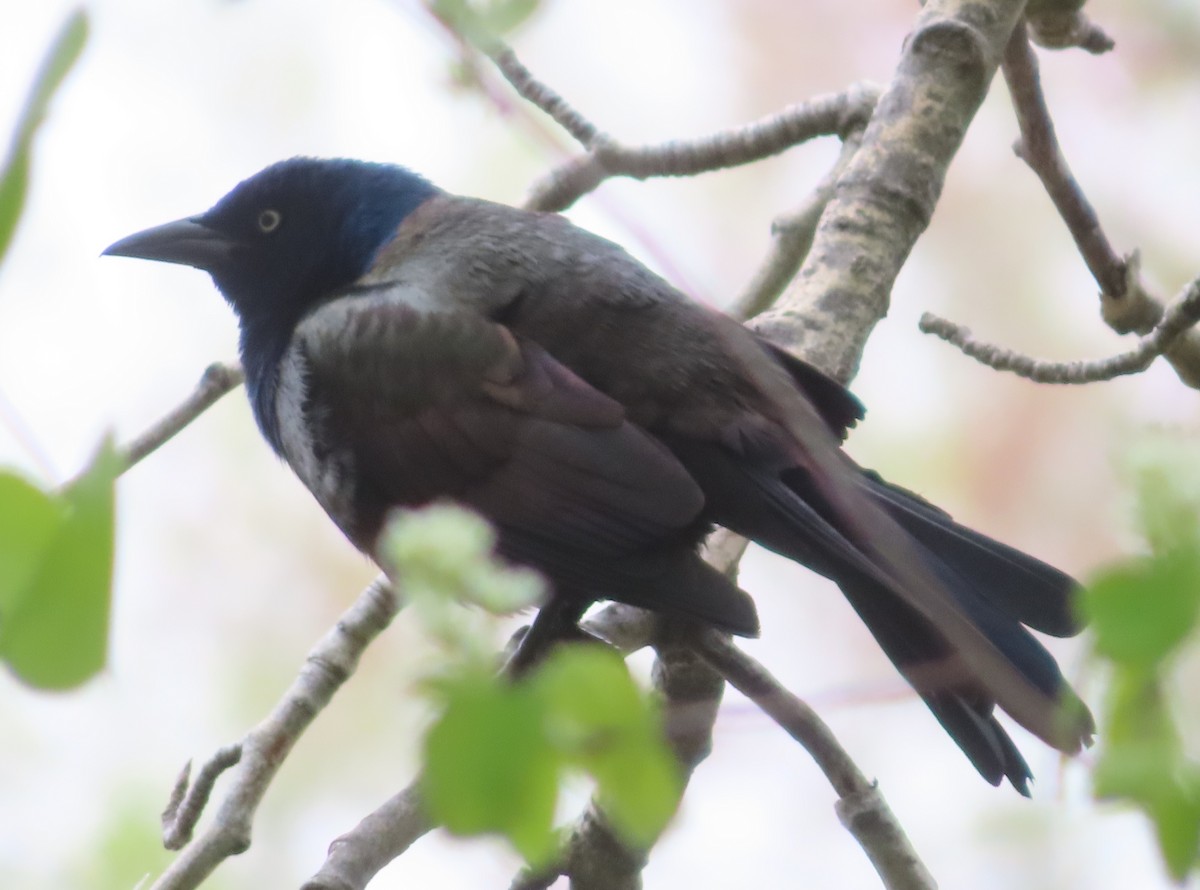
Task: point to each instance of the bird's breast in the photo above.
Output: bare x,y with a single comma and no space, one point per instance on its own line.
325,470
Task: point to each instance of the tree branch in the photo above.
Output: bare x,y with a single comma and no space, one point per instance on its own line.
1183,312
1061,24
1038,147
329,664
791,240
361,853
1126,304
861,807
217,380
885,198
830,115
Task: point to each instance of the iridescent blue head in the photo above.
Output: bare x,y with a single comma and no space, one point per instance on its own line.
283,241
289,235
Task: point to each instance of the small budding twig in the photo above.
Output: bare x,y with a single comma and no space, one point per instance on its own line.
832,115
1183,312
189,798
260,754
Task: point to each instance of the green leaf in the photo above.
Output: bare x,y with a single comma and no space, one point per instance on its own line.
29,520
603,723
488,766
1142,610
54,634
1143,762
1176,818
480,22
639,787
14,178
588,691
503,16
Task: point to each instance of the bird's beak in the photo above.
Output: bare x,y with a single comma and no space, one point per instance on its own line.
185,241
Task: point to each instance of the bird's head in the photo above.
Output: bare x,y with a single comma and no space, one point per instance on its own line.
290,235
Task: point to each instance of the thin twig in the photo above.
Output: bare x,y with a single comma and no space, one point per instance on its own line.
217,380
188,798
329,664
540,95
1183,312
1126,304
830,115
861,806
1039,148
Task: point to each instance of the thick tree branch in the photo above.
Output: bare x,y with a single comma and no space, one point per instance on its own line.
885,198
791,239
330,663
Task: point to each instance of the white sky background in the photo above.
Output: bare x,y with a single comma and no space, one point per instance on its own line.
227,571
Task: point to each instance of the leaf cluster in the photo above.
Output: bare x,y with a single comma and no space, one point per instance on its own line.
1143,613
500,750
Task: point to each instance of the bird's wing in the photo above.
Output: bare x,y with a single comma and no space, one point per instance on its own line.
452,404
838,407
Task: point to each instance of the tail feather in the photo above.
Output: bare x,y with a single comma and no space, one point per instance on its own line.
1029,590
926,661
977,732
984,578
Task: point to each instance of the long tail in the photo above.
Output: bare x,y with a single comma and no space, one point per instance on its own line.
999,589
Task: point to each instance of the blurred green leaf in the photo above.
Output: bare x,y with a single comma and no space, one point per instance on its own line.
478,21
1176,818
54,633
1166,479
504,16
29,520
489,767
605,724
639,786
1143,763
14,178
588,691
1142,610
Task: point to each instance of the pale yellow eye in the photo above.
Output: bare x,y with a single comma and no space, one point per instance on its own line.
268,221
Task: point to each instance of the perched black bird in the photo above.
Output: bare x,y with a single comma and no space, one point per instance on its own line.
402,344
